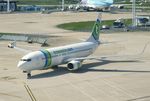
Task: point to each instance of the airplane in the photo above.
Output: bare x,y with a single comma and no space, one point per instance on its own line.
97,5
94,4
73,55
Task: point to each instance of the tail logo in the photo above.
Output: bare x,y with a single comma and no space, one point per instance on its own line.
96,30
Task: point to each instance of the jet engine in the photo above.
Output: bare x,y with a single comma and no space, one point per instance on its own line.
74,65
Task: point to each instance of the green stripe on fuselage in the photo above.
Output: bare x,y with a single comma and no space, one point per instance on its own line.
48,59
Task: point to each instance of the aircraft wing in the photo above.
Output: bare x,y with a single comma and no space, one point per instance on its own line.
114,57
13,45
100,58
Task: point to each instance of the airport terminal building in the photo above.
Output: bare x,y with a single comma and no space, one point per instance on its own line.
3,5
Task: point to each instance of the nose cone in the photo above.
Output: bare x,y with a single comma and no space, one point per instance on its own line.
22,65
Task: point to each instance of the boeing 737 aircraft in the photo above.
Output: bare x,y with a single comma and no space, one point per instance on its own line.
72,55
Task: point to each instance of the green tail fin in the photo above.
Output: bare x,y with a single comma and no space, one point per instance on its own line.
95,31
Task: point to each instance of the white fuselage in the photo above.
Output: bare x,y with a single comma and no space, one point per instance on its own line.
55,56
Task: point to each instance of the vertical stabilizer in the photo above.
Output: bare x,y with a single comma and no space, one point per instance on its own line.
96,30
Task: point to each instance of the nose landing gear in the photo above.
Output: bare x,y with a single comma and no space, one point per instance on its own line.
28,75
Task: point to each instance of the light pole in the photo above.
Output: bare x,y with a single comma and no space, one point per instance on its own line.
133,13
8,6
62,5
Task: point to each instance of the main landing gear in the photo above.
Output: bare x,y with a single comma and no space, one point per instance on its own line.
28,74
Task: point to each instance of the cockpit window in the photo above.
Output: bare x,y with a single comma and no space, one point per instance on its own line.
26,60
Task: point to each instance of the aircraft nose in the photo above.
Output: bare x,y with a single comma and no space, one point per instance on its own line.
22,65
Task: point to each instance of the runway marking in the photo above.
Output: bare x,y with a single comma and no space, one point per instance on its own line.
145,47
29,92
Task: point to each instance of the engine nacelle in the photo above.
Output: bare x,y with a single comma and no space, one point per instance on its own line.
74,65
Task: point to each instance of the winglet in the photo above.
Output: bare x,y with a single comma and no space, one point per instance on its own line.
12,45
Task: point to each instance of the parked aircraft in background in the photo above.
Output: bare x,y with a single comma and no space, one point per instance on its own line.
94,4
97,5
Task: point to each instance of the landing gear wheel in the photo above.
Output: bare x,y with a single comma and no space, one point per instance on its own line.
28,75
